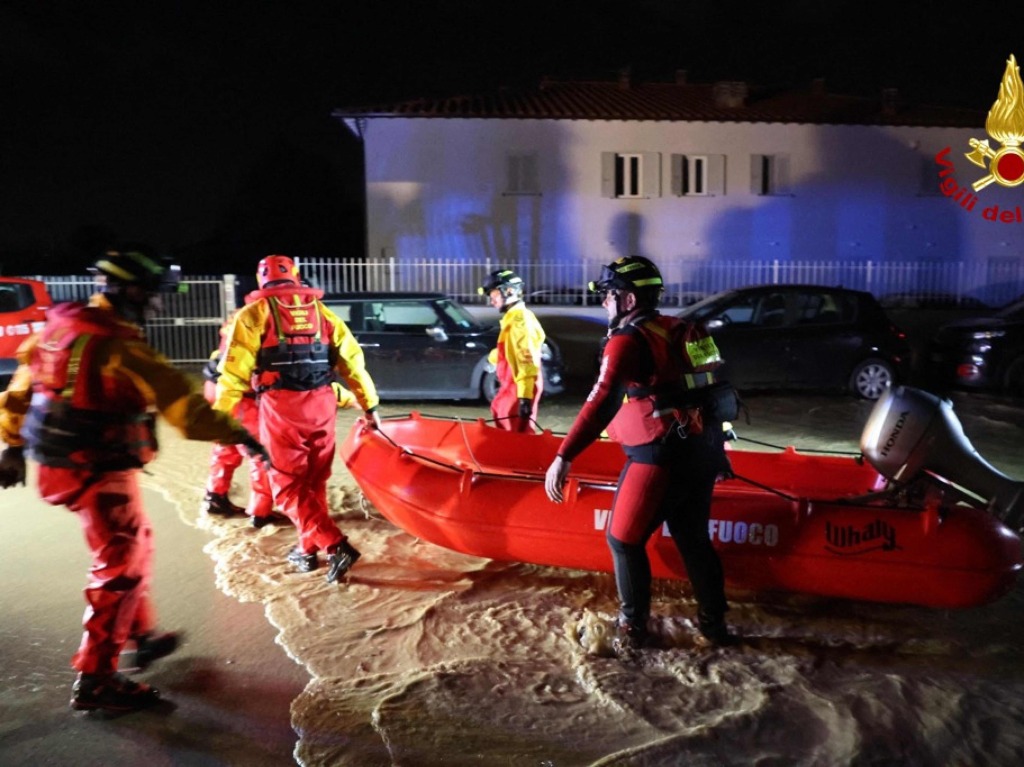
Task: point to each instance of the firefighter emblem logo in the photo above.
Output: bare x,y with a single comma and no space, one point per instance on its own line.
1005,124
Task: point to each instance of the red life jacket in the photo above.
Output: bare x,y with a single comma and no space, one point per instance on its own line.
683,358
296,352
81,415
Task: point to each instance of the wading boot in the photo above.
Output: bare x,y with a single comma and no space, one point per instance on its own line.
303,562
219,505
340,561
714,632
111,692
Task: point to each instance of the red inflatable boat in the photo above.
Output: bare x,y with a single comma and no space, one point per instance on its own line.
789,521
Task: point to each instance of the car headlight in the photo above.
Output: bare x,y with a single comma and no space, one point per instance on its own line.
988,334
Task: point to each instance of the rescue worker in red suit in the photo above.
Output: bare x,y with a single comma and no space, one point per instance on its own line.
287,346
650,396
517,357
225,459
82,405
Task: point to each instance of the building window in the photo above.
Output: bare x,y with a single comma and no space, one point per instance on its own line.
521,174
769,174
630,174
698,175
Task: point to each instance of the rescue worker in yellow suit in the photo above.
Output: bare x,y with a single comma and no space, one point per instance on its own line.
288,347
82,404
517,358
225,459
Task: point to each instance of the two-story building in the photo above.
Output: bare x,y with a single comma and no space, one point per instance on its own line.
696,176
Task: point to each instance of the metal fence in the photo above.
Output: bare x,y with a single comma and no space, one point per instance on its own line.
187,330
993,283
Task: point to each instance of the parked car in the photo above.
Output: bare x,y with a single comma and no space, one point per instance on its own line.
564,297
912,300
23,305
429,346
981,352
805,337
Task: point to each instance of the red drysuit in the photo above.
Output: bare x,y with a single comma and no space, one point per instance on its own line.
94,384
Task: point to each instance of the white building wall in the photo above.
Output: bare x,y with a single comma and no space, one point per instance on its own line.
437,188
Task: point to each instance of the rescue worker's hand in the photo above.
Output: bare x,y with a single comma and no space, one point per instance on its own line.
12,467
525,409
372,418
554,480
343,396
256,451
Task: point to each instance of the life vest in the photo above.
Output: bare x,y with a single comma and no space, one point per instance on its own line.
293,354
683,357
82,415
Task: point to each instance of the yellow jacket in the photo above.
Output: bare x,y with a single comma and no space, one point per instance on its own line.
130,362
245,338
519,343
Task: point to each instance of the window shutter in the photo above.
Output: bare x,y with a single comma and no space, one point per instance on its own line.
780,180
608,174
513,182
676,163
651,174
528,174
757,174
716,174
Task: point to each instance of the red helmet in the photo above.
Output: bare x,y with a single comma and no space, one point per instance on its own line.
276,269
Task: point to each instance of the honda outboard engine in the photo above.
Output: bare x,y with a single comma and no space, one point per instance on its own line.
911,432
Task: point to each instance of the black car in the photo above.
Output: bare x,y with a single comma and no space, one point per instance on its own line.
428,346
982,352
804,337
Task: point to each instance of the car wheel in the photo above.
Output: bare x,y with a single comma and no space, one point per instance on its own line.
489,385
1013,381
871,378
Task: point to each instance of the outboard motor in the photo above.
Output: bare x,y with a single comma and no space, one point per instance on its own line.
910,432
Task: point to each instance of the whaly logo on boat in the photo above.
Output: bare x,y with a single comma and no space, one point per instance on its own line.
720,530
849,540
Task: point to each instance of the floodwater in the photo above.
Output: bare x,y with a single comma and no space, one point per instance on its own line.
429,657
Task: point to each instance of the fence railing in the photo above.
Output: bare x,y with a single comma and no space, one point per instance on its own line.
685,280
187,330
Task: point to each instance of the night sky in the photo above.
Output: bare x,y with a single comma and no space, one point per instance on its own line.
203,129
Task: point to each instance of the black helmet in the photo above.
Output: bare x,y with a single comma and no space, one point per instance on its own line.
636,274
505,280
131,266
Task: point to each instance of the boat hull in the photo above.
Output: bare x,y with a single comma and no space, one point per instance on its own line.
479,490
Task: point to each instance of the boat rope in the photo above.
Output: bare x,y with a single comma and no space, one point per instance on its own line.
800,449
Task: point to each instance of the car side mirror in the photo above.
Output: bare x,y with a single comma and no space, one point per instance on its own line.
716,324
436,333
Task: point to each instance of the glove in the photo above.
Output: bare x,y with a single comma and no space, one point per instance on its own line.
372,418
12,467
343,396
525,409
255,450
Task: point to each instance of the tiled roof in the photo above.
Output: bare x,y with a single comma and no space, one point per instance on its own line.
683,102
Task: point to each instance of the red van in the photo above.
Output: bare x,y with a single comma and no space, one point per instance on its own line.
23,305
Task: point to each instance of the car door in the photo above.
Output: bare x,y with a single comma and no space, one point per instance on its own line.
825,341
408,351
749,331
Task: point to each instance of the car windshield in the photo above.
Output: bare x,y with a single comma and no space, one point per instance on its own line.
706,306
457,313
